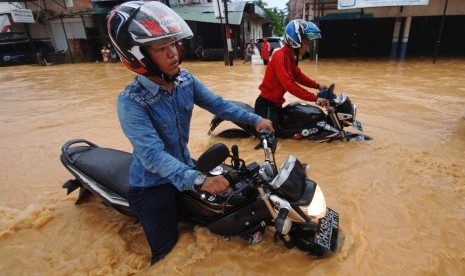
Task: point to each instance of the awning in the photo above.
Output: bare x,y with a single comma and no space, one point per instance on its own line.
347,15
195,12
205,13
95,11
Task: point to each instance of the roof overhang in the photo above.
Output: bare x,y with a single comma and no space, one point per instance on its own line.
205,13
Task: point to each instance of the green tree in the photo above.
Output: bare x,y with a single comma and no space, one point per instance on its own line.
279,17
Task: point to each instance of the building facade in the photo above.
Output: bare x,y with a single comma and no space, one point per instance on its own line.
76,29
394,31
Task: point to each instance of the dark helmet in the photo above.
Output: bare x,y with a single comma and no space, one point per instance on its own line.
298,30
133,25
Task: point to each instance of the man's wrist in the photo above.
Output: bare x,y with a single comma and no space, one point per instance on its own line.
199,181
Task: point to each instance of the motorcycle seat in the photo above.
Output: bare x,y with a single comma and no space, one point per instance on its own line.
108,167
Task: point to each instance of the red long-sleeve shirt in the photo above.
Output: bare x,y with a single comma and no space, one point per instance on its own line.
282,74
265,52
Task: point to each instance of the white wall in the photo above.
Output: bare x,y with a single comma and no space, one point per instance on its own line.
434,8
74,29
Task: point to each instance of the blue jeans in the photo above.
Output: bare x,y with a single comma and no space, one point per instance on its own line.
158,213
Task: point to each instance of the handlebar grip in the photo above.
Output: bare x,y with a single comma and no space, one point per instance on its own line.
233,179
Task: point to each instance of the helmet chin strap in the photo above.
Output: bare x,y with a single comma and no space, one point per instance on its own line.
170,78
296,53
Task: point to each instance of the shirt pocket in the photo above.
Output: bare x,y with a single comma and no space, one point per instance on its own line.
162,117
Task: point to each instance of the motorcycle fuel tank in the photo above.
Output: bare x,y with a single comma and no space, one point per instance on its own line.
300,115
204,211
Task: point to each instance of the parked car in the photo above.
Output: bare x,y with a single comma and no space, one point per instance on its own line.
20,51
275,43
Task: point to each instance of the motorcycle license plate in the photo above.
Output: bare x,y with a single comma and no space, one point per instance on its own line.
327,232
357,125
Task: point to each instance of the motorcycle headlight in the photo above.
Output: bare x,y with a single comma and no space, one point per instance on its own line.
317,207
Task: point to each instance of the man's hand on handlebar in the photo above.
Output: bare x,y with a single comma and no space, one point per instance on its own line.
322,102
264,124
322,87
215,185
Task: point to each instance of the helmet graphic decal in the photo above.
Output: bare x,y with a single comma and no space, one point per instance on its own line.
171,24
297,30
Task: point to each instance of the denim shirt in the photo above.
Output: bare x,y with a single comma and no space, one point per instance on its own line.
157,124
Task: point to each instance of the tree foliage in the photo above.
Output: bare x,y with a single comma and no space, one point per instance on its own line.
279,17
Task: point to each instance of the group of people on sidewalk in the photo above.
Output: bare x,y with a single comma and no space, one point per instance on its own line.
155,110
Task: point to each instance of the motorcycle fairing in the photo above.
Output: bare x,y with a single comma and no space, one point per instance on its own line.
298,115
290,179
204,211
245,218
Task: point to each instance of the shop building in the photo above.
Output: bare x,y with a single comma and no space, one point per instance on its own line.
427,30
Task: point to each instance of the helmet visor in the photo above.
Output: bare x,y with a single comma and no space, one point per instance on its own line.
312,35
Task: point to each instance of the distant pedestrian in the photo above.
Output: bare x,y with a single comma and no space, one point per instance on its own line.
113,55
249,52
77,47
43,58
265,51
105,54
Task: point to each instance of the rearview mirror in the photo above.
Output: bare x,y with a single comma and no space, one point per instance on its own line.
212,157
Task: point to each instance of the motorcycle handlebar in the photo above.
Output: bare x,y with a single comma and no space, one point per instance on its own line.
232,177
267,140
328,94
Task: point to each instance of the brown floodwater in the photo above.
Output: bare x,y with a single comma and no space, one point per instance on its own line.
400,196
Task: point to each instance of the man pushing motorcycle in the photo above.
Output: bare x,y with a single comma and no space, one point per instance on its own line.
283,73
155,112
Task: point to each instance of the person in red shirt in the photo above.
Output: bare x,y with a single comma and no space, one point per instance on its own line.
265,51
284,75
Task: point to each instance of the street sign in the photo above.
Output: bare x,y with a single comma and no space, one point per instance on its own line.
22,16
357,4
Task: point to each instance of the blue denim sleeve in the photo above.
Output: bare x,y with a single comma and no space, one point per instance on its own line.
208,100
148,146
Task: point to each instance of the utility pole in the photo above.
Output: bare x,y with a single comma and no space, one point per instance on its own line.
438,42
228,36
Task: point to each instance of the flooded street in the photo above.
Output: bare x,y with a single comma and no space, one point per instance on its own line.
400,196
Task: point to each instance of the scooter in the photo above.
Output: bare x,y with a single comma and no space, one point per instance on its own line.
304,121
284,200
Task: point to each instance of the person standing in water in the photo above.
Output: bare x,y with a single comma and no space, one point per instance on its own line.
265,51
249,51
155,111
105,54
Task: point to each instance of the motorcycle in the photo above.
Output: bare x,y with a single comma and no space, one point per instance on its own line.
285,200
304,121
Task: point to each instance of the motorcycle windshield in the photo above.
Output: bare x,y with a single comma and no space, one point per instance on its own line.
291,179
